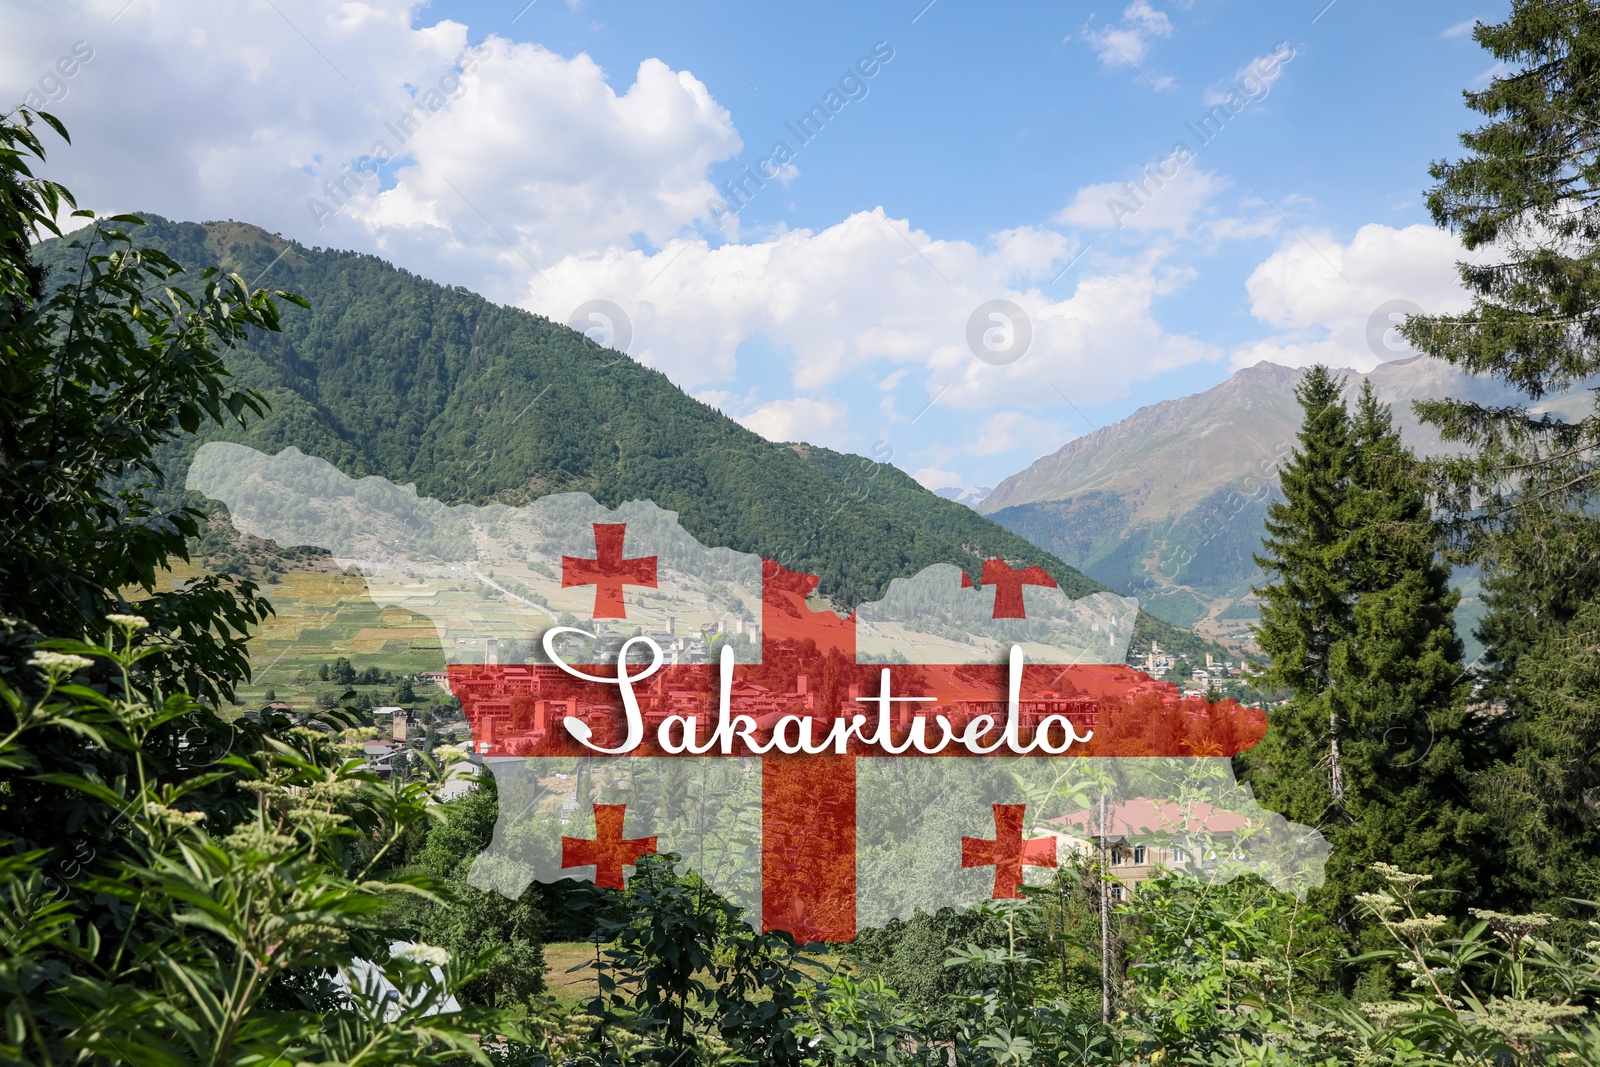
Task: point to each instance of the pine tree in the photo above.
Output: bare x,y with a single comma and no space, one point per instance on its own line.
1297,769
1397,684
1358,620
1526,198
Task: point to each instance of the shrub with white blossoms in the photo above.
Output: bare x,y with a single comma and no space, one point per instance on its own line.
432,955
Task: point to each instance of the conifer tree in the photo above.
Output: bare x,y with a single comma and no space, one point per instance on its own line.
1297,769
1526,199
1358,620
1397,685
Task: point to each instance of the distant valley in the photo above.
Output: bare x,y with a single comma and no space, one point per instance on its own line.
1168,504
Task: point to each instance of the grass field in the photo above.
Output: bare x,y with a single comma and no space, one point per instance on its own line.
321,615
559,958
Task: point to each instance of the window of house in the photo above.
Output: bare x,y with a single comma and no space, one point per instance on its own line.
1116,892
1179,855
1116,856
1138,853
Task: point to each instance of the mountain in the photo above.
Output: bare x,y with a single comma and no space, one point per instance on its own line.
1169,503
390,374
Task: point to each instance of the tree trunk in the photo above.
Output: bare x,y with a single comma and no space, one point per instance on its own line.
1335,771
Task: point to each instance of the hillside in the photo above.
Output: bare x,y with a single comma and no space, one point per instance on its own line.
1169,502
394,375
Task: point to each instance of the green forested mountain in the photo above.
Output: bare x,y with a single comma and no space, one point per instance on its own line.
394,375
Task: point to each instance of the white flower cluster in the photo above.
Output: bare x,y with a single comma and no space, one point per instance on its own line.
60,662
432,955
128,622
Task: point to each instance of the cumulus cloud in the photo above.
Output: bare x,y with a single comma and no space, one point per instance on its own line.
1322,295
874,289
937,478
500,159
1167,195
1127,43
796,419
557,160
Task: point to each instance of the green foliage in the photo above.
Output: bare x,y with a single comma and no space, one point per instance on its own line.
1373,745
1523,491
1230,970
1542,790
468,921
179,889
1500,993
225,938
1304,611
107,363
909,955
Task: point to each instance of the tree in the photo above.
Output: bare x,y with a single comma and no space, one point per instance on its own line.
1298,768
106,362
158,908
1526,198
1397,684
103,366
1359,625
471,921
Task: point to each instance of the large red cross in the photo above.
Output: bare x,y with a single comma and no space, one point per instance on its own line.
608,852
608,572
1008,851
808,802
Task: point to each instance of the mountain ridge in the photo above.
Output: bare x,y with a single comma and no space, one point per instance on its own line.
435,386
1170,501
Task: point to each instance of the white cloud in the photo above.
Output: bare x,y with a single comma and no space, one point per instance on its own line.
1127,43
1324,313
1000,432
937,478
1006,430
560,160
796,419
1460,29
1497,69
1167,195
528,148
872,289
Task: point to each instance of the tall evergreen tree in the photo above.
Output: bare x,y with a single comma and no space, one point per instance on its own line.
1526,197
1358,620
1397,685
1298,769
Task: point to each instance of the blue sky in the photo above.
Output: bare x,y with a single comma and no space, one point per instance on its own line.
974,165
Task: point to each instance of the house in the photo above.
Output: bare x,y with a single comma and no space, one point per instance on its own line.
1145,836
381,754
459,779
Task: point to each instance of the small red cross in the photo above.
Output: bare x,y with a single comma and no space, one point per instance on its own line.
608,572
1008,583
608,851
1008,851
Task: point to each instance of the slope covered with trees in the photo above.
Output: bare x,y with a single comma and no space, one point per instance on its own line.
389,374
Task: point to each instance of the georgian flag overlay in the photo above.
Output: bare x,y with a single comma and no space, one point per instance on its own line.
935,748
